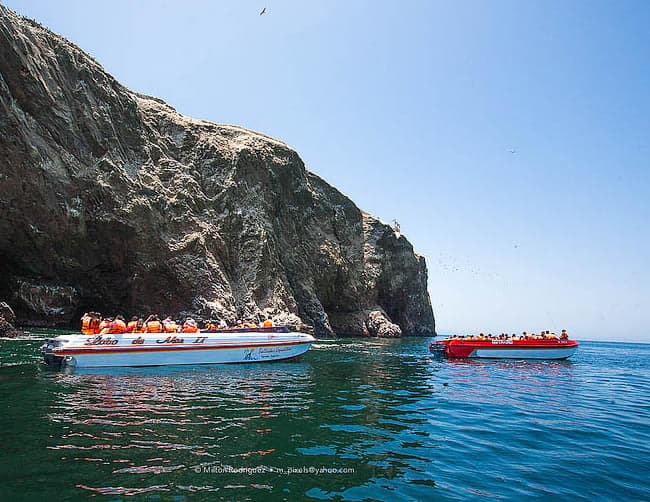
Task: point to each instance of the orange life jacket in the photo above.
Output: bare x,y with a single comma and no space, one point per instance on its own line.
117,326
154,327
268,323
170,327
187,328
132,326
102,326
86,327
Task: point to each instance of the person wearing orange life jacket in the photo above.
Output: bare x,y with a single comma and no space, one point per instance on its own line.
189,326
139,327
100,324
102,328
94,323
118,326
132,325
169,325
88,323
268,323
153,325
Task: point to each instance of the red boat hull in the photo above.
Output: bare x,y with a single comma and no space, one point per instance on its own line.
507,349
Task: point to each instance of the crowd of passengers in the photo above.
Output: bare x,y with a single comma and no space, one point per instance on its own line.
92,323
543,335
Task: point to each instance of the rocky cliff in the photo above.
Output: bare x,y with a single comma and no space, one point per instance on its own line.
111,200
7,318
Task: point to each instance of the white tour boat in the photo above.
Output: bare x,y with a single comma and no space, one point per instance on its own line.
158,349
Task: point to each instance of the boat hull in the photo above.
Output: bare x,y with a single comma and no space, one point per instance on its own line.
507,349
174,349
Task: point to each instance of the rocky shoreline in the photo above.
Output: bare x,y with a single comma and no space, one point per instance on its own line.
7,320
114,201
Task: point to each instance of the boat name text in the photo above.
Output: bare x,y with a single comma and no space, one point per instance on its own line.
100,340
171,339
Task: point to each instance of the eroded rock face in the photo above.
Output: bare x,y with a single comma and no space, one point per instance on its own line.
113,201
7,319
45,304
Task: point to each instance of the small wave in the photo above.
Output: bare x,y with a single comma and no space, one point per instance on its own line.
24,338
121,490
149,469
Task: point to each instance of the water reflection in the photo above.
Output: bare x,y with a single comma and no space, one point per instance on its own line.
356,413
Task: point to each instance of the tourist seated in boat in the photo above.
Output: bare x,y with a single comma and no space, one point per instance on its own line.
223,324
564,335
114,326
118,325
140,327
132,325
103,324
190,326
153,325
210,325
169,325
268,323
90,323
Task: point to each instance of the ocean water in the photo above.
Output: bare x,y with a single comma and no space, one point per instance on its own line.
352,420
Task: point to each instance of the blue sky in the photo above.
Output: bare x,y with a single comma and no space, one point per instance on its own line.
411,108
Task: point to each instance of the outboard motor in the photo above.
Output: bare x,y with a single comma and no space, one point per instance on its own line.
437,349
47,349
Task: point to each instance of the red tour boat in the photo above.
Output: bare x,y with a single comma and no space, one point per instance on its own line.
508,348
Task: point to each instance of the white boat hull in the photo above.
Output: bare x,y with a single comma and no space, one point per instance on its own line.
158,349
546,353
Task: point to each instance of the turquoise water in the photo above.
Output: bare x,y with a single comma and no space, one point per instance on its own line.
353,420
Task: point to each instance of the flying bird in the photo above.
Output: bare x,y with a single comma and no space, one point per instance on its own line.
263,11
512,151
